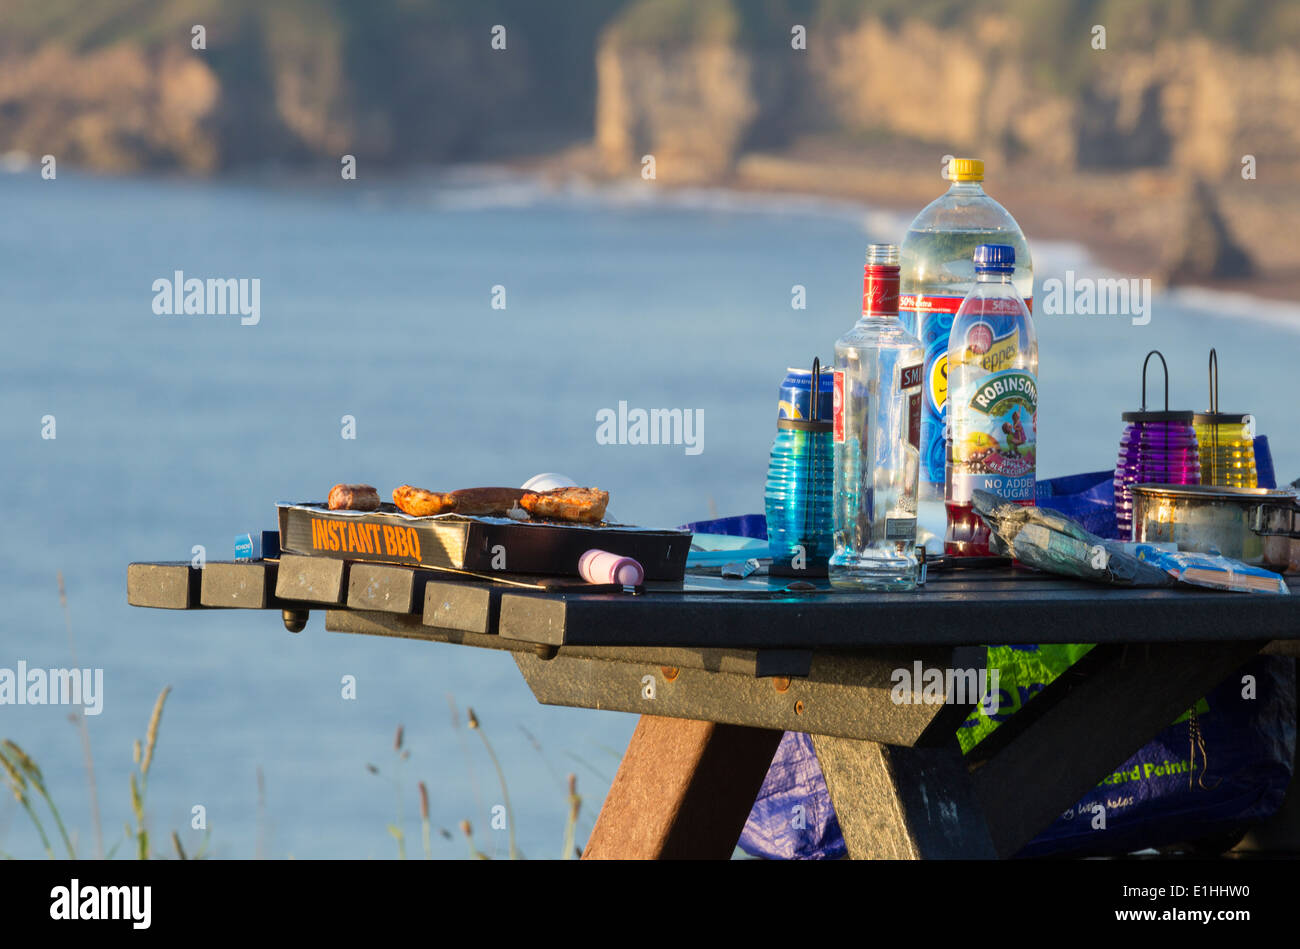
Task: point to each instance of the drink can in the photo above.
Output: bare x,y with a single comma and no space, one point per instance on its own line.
796,395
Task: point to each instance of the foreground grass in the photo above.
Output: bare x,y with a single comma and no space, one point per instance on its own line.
23,778
503,817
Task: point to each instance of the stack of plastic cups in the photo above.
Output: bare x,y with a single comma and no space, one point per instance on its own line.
801,487
1158,447
1227,441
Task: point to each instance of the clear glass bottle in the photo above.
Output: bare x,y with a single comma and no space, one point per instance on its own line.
877,431
992,440
936,276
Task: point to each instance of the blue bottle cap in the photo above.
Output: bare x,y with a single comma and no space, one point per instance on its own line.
995,258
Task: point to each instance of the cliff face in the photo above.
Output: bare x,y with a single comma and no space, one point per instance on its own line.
389,81
119,108
697,83
690,107
1188,103
1194,105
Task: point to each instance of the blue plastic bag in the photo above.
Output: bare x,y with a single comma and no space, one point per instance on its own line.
792,817
739,525
1087,498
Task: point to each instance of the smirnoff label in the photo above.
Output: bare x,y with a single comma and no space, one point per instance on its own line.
911,380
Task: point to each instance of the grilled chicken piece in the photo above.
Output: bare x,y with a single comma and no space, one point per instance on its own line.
420,503
584,505
353,497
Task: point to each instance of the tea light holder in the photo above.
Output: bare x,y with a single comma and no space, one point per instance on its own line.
1227,441
1158,447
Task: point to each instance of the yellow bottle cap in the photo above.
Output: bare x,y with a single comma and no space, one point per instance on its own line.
965,169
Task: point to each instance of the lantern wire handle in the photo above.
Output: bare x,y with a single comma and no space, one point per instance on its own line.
1214,408
1164,428
1154,352
1214,381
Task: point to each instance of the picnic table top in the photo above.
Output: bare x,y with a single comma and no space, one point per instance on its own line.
1001,605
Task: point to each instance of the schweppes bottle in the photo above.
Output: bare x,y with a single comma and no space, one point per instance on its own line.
936,275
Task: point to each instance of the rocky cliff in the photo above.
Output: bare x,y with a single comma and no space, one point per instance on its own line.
119,108
1187,102
119,85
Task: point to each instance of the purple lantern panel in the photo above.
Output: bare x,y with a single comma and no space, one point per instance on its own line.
1158,447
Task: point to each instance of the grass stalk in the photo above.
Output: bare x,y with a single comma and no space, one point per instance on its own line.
475,788
474,853
18,785
425,836
151,736
40,829
34,776
571,825
145,759
501,777
398,828
79,719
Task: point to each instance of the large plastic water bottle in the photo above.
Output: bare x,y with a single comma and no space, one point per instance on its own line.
937,274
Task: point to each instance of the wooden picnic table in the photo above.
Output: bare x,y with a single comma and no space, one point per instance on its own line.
719,669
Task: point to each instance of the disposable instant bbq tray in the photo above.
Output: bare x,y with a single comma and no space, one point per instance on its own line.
481,544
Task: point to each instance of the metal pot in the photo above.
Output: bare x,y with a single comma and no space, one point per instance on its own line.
1255,525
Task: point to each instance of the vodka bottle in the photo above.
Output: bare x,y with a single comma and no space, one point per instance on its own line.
877,430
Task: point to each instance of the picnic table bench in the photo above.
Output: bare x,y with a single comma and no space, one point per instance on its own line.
719,669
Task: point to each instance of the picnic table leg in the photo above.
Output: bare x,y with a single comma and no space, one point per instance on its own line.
683,790
898,803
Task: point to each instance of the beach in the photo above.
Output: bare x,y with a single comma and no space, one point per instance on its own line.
1126,219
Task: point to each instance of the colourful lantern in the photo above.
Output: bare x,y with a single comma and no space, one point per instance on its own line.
1227,441
1158,447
